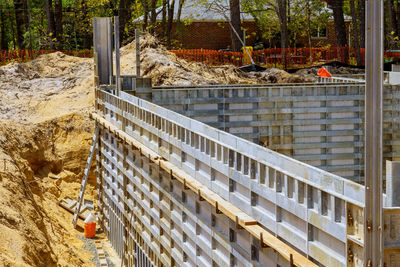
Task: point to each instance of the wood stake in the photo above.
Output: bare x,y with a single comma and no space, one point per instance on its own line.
237,223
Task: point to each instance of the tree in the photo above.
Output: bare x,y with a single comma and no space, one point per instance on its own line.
171,7
153,17
361,16
51,30
3,26
356,40
125,16
164,19
234,8
282,14
340,26
20,21
145,6
58,22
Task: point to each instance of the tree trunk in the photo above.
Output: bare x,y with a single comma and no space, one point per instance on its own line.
340,26
58,23
164,19
28,23
394,17
19,21
87,40
282,14
361,17
12,28
178,16
234,6
153,17
355,33
4,39
125,14
392,22
308,11
50,22
398,17
169,23
146,13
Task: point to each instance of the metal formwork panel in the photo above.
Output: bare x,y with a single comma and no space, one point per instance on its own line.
320,124
319,213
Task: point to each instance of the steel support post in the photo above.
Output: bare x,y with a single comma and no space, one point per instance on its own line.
373,218
117,61
137,33
102,45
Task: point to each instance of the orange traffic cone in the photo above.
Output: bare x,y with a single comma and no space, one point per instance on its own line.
324,73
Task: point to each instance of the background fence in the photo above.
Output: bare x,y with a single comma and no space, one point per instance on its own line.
7,56
283,58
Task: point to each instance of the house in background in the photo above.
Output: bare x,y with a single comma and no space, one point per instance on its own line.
208,29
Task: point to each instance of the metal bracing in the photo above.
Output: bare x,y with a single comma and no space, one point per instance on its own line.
117,55
373,215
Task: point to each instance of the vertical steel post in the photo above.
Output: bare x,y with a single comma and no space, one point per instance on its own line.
373,218
102,46
137,33
116,46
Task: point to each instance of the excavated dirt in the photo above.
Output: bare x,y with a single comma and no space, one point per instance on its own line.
165,68
45,135
40,164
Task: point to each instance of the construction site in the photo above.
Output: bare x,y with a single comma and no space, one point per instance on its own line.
186,164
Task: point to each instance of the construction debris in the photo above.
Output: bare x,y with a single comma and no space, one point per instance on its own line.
70,205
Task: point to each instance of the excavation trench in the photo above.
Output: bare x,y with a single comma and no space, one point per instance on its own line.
39,165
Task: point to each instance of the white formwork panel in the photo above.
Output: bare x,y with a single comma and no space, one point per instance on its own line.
302,205
299,120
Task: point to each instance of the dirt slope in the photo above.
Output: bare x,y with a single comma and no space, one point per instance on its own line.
34,230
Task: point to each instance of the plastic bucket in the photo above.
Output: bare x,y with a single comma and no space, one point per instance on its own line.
90,230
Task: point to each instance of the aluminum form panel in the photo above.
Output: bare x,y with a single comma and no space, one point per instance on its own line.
254,149
329,102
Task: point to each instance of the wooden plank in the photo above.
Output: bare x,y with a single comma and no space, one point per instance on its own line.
100,253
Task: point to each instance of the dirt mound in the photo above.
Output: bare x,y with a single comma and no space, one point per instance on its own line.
280,76
313,71
48,87
165,68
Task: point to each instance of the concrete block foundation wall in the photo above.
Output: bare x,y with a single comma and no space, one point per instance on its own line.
319,124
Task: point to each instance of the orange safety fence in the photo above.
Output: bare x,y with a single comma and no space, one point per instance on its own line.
7,56
284,58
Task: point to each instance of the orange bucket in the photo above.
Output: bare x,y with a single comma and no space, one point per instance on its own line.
90,230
